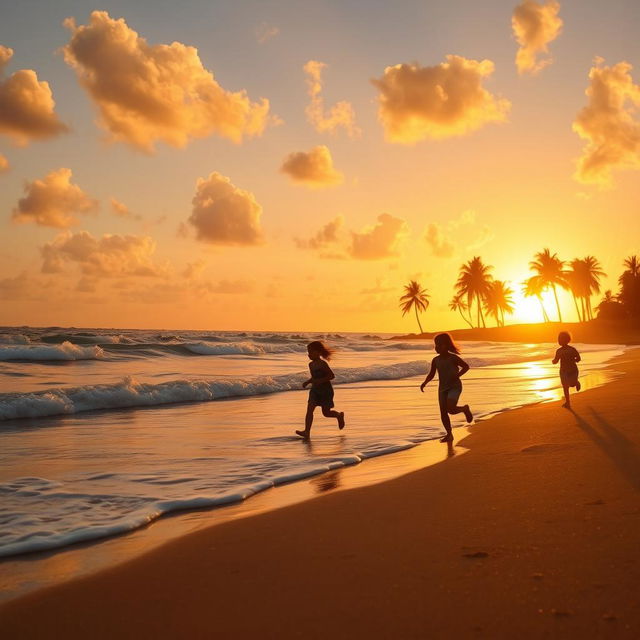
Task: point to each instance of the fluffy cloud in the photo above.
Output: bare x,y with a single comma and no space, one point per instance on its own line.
608,124
108,256
53,201
122,211
4,164
441,246
314,169
265,31
416,103
148,93
224,214
380,240
329,234
341,114
534,27
26,105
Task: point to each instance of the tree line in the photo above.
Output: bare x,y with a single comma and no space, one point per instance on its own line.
479,295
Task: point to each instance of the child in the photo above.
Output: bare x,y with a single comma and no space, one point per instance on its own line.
321,392
450,367
568,356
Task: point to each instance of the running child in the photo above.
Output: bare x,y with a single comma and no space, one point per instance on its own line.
568,357
450,367
321,392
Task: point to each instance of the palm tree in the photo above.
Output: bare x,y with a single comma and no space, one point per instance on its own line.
474,283
549,267
630,286
458,304
575,278
498,300
533,286
414,296
592,274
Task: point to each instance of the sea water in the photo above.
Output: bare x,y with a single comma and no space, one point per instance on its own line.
102,432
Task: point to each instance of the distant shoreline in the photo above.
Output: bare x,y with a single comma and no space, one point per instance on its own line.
595,332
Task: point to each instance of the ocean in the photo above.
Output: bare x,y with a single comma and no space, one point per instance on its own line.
104,431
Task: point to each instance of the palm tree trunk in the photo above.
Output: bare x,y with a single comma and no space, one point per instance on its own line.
589,309
465,318
417,318
584,308
484,324
575,301
555,295
545,317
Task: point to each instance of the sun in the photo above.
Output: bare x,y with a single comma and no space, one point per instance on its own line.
527,310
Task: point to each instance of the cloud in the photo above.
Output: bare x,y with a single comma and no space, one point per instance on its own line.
380,240
265,32
4,164
53,201
329,234
194,269
26,105
441,246
608,124
464,232
314,169
230,287
418,103
341,114
110,256
122,211
224,214
149,93
20,287
534,27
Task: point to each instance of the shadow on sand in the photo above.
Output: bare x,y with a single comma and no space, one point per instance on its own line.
618,448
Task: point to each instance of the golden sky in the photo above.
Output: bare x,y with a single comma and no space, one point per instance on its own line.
292,165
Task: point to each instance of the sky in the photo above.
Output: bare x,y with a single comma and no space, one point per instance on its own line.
293,165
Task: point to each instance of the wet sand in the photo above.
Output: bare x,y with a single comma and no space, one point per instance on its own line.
533,532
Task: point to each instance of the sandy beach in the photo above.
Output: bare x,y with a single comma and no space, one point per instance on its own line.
532,532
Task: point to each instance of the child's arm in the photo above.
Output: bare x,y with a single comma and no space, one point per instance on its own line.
328,377
556,358
464,367
430,376
577,356
309,381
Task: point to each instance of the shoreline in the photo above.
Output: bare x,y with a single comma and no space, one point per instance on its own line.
570,479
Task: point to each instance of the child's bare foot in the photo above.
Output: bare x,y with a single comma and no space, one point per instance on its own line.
303,434
341,420
467,413
566,405
578,386
447,438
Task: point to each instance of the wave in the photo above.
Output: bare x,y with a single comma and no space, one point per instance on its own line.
14,338
130,393
44,353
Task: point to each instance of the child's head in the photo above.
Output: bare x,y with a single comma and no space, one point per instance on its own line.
564,338
444,343
317,349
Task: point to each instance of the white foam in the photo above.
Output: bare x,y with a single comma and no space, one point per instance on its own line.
64,351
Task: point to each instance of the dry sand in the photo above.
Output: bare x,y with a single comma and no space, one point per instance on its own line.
533,533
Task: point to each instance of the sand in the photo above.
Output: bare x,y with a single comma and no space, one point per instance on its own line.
533,533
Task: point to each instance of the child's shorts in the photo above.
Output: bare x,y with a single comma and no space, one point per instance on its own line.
321,396
569,378
449,395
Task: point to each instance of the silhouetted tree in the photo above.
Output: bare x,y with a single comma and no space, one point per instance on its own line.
414,296
499,300
474,282
458,304
534,286
550,269
629,281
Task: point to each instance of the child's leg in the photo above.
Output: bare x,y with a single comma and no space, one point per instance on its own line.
444,416
327,412
453,408
308,421
567,401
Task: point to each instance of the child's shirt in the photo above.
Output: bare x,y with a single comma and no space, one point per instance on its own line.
319,369
448,368
568,357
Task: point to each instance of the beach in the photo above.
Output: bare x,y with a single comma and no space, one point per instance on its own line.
533,531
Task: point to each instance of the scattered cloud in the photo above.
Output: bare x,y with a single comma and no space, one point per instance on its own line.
230,287
535,25
380,240
149,93
340,115
224,214
110,256
4,164
314,168
463,232
53,201
122,211
608,124
382,286
448,99
27,108
265,31
328,235
23,287
194,270
441,247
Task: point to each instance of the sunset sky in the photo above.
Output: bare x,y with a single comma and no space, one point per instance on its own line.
292,165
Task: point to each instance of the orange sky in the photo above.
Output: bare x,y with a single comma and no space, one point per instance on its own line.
255,168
